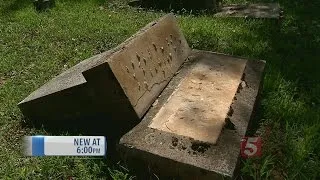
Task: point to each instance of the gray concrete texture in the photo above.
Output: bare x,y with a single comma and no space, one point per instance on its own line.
123,81
172,154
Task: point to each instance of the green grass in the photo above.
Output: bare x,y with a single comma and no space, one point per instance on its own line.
34,47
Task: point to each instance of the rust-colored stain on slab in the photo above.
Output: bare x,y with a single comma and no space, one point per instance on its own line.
199,106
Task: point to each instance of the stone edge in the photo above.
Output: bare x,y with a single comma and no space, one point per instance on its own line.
129,147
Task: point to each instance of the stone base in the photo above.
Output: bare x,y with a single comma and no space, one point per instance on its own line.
169,154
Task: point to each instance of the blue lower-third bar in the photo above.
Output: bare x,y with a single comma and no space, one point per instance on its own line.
34,146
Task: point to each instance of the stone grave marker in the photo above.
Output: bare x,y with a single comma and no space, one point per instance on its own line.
122,82
194,106
194,129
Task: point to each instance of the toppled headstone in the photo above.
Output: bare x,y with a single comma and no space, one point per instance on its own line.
194,129
120,84
259,10
195,105
197,138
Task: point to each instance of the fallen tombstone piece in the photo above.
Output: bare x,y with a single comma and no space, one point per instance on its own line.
194,129
259,10
193,115
113,89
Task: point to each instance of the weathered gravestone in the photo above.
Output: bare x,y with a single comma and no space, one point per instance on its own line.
120,84
193,115
194,129
258,10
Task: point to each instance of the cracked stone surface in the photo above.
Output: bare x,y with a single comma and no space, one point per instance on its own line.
199,106
173,155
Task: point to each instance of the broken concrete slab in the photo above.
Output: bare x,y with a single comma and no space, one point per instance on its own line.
200,104
171,154
259,10
121,83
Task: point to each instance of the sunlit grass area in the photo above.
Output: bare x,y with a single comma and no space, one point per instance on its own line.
34,47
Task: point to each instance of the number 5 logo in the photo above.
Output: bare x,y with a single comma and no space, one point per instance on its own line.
250,147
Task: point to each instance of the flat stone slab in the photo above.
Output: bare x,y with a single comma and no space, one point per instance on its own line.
174,154
259,10
199,106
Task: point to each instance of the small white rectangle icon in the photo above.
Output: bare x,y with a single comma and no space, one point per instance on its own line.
74,146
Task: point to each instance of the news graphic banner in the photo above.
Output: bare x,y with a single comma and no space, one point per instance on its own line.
251,147
65,146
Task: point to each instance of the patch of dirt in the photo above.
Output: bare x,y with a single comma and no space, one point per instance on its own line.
230,112
174,141
200,146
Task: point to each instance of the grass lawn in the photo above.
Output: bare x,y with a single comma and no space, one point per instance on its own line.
34,47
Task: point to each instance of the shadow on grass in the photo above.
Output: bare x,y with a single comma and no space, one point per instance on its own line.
10,7
291,93
16,5
290,100
177,6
